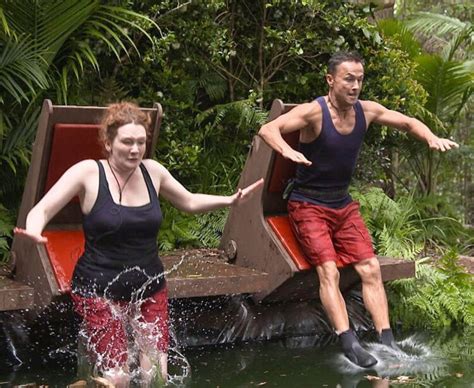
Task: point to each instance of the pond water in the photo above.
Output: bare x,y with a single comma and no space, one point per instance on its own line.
429,359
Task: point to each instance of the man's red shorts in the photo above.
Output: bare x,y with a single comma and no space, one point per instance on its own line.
327,234
106,321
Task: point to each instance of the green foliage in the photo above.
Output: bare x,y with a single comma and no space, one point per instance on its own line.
448,83
409,225
397,30
178,229
456,37
461,9
6,227
211,227
392,224
439,224
441,295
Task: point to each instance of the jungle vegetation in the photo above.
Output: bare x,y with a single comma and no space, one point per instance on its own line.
216,65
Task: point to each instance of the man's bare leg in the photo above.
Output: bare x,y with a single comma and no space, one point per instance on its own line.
335,308
331,296
373,292
375,298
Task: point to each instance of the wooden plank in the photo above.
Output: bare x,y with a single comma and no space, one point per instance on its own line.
393,269
15,295
204,273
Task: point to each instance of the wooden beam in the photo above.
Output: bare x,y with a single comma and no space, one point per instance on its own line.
201,273
15,295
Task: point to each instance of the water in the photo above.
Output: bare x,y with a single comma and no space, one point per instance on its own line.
428,359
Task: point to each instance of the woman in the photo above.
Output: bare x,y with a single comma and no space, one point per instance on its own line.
119,278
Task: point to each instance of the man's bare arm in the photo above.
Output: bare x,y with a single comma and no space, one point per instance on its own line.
300,117
379,114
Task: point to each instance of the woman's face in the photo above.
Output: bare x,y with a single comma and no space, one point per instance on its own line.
128,147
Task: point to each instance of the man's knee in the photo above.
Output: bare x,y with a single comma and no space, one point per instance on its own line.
369,270
328,274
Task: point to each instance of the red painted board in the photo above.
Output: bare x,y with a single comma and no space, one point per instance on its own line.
64,248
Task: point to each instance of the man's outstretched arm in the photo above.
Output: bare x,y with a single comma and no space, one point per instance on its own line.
298,118
379,114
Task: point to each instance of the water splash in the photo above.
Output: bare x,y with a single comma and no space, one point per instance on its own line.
414,358
8,344
141,338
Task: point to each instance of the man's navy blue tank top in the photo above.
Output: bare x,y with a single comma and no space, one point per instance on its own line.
120,259
333,156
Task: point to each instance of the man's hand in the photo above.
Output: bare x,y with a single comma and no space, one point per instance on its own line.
37,238
296,157
440,144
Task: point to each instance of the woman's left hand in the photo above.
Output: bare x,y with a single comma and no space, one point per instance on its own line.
243,194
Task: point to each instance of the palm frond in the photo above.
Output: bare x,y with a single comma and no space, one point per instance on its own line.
429,24
21,134
446,83
67,31
399,32
456,42
391,223
6,226
21,73
212,227
4,23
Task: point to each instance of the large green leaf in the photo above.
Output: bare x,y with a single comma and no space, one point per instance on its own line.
446,82
399,32
435,24
65,32
451,33
21,70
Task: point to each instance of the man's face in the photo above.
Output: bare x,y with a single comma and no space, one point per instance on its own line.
346,83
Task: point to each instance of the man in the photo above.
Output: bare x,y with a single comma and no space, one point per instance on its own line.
326,221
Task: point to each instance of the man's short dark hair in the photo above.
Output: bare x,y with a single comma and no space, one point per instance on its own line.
343,56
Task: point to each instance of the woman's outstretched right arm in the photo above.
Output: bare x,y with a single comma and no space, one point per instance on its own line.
71,183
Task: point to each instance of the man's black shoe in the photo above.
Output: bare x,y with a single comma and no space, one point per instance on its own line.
354,352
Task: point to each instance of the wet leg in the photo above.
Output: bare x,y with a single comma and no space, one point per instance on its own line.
118,377
105,336
152,337
149,372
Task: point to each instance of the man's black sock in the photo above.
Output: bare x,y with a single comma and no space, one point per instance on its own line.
386,338
354,352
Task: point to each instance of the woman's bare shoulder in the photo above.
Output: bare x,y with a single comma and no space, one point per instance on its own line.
86,166
155,169
152,165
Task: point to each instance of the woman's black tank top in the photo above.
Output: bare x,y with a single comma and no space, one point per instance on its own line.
120,260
